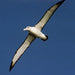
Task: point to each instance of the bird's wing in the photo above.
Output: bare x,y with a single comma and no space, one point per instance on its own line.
21,50
48,15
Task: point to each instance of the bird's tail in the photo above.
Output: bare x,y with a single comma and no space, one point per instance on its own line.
46,38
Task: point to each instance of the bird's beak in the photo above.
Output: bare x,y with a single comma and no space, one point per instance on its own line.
24,29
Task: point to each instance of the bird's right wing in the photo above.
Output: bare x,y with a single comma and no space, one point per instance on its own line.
48,15
22,49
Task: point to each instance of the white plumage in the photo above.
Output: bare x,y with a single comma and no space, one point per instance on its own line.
34,32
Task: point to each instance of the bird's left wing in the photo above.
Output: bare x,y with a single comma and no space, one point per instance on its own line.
21,50
48,15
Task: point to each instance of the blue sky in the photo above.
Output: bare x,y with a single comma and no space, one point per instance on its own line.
56,56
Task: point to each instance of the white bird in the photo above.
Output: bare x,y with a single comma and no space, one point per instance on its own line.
34,32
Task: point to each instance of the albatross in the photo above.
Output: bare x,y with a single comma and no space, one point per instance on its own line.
34,32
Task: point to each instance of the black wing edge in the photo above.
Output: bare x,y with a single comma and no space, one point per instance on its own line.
11,66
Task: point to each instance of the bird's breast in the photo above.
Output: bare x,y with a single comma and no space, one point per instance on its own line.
37,33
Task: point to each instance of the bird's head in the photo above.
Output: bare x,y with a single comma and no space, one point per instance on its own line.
27,28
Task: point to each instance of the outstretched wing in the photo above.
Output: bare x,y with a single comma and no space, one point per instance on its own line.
47,15
21,50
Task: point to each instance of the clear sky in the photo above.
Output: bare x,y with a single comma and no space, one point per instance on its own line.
56,56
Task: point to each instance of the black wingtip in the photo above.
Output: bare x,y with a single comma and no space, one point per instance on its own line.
11,66
61,2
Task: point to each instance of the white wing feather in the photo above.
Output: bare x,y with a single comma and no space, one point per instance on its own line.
47,15
22,49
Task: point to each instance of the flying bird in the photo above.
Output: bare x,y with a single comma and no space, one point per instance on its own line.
34,32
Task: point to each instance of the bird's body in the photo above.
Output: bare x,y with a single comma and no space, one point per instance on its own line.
34,32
